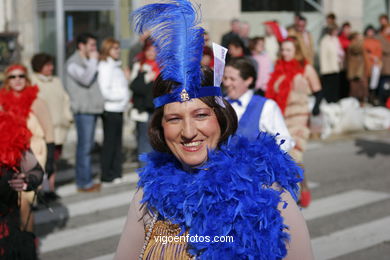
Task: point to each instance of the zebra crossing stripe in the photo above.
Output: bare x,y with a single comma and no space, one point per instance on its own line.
80,235
71,189
84,207
342,202
100,230
103,257
352,239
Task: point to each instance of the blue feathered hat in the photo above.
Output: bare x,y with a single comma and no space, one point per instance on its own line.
178,38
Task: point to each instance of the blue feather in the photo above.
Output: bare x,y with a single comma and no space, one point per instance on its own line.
178,39
231,195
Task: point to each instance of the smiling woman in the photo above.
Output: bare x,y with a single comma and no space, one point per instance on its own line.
201,180
202,120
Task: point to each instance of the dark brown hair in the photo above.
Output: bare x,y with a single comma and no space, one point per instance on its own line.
246,69
226,117
39,60
254,41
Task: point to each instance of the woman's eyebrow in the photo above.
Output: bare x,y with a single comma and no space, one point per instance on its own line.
202,109
171,114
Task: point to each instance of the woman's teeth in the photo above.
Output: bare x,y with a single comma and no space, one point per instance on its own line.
192,144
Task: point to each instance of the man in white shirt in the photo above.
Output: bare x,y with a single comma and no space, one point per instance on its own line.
239,80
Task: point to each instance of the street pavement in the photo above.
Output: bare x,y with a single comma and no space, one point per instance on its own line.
349,217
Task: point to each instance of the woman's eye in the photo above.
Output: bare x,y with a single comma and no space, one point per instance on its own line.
202,115
173,119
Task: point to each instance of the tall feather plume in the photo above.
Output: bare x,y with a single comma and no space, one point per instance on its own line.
178,39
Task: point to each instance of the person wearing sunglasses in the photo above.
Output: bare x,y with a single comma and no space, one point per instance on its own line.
19,171
19,98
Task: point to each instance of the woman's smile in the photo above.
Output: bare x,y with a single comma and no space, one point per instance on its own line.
190,129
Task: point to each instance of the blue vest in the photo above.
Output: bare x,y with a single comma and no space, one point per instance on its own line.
248,125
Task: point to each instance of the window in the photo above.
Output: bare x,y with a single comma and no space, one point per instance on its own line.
277,5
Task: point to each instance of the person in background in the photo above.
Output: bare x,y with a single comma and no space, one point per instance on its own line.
143,75
331,60
355,69
297,17
114,88
239,82
273,35
290,85
135,49
87,105
330,23
53,93
244,33
257,48
208,55
383,20
384,38
372,61
234,33
237,49
19,171
305,39
344,35
19,98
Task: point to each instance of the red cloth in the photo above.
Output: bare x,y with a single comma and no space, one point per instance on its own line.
15,136
16,67
154,65
344,41
14,139
276,29
18,103
288,69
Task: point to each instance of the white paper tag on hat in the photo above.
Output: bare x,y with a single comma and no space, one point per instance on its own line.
219,63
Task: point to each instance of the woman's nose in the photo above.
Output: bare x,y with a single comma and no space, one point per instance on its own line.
188,130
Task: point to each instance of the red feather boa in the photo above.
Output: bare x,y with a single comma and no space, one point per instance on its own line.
15,136
18,103
288,69
14,139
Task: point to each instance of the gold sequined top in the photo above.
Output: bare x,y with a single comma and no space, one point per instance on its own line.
164,243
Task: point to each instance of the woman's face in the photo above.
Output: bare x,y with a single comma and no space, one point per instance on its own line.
370,33
190,129
235,51
347,30
288,51
387,30
234,84
150,53
47,69
259,47
17,80
115,52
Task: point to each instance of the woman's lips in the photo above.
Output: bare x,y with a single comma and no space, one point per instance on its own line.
192,146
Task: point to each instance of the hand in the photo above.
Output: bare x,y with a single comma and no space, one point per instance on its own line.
18,183
316,110
127,73
94,55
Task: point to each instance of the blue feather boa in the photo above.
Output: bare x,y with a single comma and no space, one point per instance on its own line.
229,196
